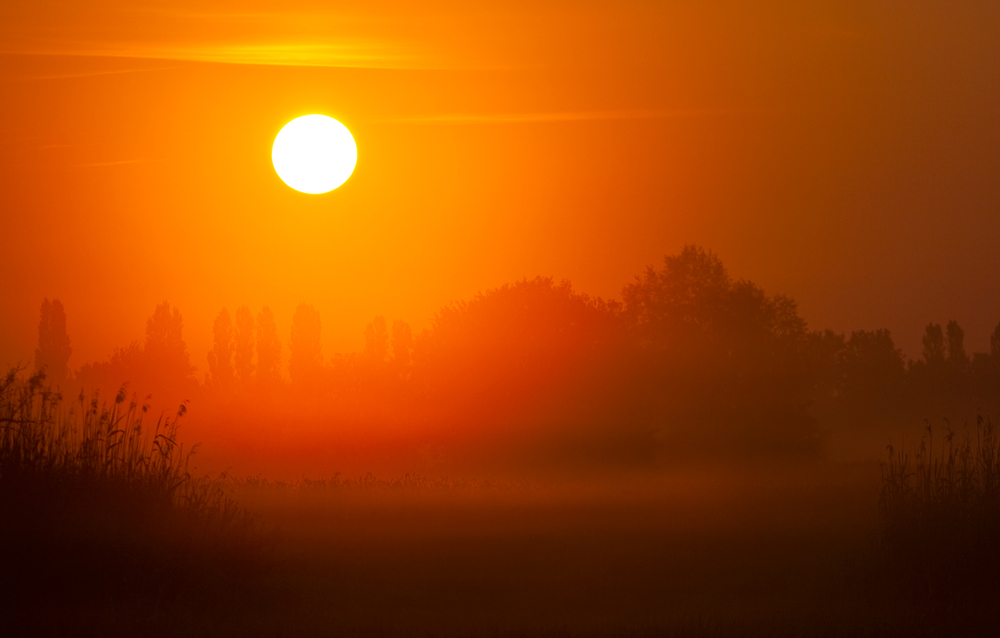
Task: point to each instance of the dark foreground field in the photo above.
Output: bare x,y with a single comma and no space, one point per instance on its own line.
693,550
704,551
105,531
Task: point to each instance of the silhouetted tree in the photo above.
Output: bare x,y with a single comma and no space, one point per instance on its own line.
243,346
934,349
376,341
53,352
692,290
160,366
268,348
721,355
873,367
402,346
129,361
532,357
220,359
986,370
305,359
957,357
165,352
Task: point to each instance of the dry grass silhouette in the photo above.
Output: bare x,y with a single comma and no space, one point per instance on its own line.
98,505
940,515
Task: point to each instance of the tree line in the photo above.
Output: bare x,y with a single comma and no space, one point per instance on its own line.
690,358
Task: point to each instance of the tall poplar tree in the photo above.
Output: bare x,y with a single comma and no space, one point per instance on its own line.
53,352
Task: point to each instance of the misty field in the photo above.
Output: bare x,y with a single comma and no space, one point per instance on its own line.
106,532
699,548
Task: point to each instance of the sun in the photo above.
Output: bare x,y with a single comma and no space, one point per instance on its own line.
314,154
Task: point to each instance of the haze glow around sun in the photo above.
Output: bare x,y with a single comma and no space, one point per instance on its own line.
314,154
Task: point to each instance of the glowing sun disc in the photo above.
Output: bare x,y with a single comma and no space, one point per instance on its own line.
314,154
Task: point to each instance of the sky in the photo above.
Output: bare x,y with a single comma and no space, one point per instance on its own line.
842,153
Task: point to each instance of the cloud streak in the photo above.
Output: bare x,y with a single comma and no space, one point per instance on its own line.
352,55
88,74
114,163
227,33
574,116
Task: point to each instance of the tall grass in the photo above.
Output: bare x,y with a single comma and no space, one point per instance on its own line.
98,500
89,443
940,514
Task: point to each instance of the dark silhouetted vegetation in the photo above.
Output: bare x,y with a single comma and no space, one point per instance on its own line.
159,364
99,507
691,363
940,516
53,351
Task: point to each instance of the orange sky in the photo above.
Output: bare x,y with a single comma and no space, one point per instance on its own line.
844,155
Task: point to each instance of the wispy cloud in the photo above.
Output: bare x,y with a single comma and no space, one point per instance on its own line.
88,74
114,163
271,33
573,116
343,54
